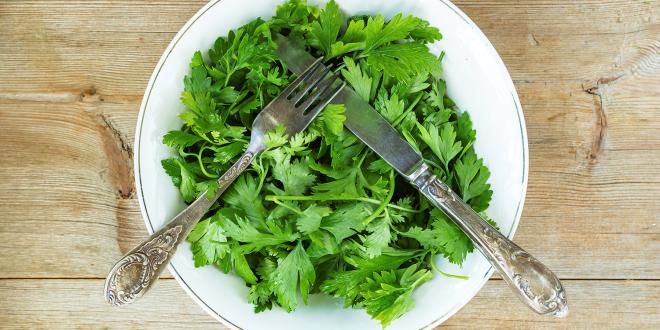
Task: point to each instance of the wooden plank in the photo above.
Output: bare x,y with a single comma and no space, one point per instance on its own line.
585,207
66,304
593,305
71,47
79,304
69,205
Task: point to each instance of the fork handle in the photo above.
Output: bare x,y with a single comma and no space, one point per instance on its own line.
134,273
532,281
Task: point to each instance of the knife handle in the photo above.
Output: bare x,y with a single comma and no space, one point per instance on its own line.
532,281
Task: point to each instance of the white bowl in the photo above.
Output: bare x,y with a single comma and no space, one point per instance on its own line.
477,80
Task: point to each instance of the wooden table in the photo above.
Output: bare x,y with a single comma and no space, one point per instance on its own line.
72,74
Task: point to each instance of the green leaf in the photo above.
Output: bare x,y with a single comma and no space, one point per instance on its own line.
402,61
472,176
171,167
345,284
352,40
276,137
379,236
210,186
296,270
324,32
295,176
389,107
412,85
208,243
323,244
188,184
380,166
443,145
480,203
456,244
425,33
354,32
388,295
464,131
226,153
242,268
437,94
357,78
345,221
333,118
227,95
261,297
244,195
378,33
310,219
180,139
444,237
245,232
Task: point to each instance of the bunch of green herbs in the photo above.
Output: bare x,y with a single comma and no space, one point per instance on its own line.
320,212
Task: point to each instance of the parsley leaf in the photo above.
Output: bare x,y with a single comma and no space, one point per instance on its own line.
472,176
333,118
378,33
208,242
443,144
357,78
310,219
180,139
324,31
388,294
296,270
401,61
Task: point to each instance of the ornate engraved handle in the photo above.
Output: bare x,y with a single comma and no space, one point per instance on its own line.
134,274
533,282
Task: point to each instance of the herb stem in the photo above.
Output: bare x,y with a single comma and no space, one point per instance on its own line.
262,176
433,163
460,277
410,108
184,154
289,207
384,203
273,198
201,163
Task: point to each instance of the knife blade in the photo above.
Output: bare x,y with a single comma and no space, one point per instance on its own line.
361,118
535,284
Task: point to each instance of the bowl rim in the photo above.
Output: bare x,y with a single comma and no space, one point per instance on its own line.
150,227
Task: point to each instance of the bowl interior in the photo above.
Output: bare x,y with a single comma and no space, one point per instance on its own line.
477,80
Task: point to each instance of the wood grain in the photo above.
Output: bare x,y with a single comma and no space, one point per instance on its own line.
72,75
76,303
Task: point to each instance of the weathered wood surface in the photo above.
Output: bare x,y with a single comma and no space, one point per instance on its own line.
72,74
75,303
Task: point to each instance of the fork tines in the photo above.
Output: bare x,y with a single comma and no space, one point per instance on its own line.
313,89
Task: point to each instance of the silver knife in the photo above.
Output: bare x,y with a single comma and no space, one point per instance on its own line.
532,281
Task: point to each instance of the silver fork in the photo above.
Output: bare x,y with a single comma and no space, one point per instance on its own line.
134,273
